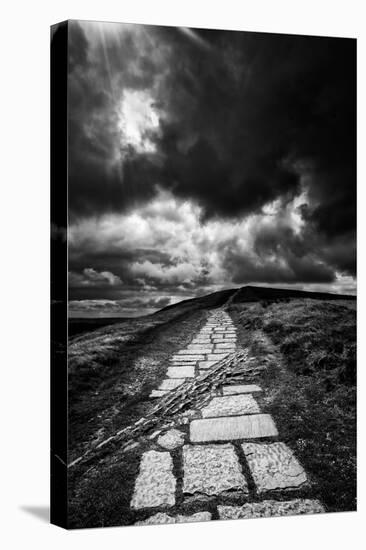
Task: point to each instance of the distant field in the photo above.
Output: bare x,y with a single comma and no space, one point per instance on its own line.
80,326
246,294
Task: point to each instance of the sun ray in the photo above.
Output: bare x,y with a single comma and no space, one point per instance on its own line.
139,121
195,37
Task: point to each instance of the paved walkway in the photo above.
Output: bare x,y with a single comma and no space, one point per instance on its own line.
231,453
214,342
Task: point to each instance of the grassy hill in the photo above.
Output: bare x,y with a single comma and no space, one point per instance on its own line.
304,345
255,294
216,299
308,348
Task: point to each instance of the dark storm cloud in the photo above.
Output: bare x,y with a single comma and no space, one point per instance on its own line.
183,257
238,115
259,106
99,71
309,255
245,119
298,270
115,262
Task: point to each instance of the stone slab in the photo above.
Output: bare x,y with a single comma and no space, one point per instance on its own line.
215,341
225,345
206,364
171,440
233,427
183,363
269,508
207,344
186,358
171,383
162,518
155,484
230,405
211,470
158,393
235,390
201,340
216,356
180,372
200,348
273,466
188,354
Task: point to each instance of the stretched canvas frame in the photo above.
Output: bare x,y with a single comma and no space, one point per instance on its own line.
228,346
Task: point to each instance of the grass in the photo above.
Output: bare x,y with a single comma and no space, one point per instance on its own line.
79,326
113,370
308,349
305,353
111,374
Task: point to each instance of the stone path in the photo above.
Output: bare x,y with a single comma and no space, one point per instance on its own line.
211,469
232,428
214,342
155,485
229,460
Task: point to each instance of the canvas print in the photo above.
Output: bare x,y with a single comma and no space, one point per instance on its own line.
204,274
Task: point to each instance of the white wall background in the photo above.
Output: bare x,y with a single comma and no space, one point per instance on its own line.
24,184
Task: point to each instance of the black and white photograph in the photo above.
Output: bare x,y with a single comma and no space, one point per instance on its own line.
209,239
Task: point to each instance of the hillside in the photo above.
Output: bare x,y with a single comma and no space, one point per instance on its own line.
298,348
255,294
216,299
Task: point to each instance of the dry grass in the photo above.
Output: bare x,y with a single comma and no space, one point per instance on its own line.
304,351
112,372
310,386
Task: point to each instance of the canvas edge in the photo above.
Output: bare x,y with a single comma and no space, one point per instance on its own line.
58,177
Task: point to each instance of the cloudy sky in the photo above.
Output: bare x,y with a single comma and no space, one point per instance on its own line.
202,160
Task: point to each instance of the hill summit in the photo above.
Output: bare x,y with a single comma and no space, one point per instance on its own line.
255,294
